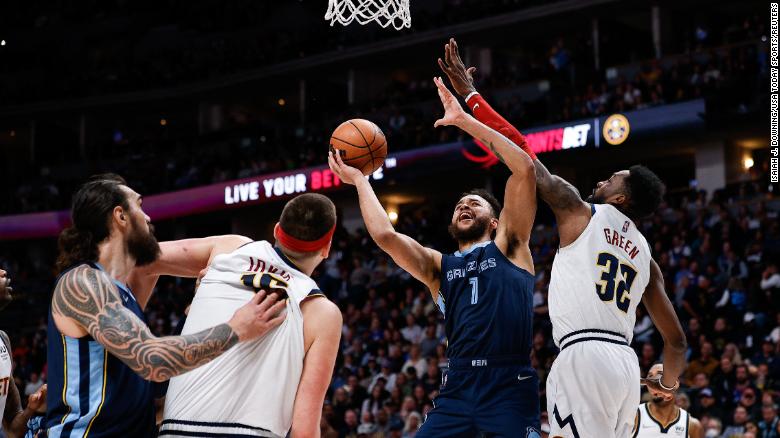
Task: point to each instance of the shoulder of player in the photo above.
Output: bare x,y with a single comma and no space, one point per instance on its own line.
83,275
321,315
83,284
693,422
227,243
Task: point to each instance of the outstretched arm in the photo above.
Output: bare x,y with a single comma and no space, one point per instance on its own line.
665,319
517,217
87,297
180,258
423,263
571,212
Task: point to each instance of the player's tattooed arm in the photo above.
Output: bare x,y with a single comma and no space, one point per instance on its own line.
558,193
88,297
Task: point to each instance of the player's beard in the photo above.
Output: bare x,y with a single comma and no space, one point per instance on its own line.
660,401
595,198
142,244
477,229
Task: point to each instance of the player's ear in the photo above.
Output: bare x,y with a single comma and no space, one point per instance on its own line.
121,218
276,231
325,252
619,199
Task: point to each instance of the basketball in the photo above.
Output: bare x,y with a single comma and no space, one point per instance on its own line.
361,144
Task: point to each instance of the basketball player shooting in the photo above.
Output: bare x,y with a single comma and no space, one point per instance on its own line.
602,270
485,291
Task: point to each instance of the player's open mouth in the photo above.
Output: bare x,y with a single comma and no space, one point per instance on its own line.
465,216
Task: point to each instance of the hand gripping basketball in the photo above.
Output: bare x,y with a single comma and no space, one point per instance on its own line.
346,173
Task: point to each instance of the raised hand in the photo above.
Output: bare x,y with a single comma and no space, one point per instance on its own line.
453,112
346,173
257,317
462,78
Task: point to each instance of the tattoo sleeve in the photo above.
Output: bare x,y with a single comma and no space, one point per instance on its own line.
554,190
88,297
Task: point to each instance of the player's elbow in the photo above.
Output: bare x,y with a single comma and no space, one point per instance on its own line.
153,375
523,166
385,238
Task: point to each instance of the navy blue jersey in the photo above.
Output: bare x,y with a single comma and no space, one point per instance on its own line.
91,392
487,303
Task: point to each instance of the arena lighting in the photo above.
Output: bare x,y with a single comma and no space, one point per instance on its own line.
748,163
163,122
392,214
281,102
2,43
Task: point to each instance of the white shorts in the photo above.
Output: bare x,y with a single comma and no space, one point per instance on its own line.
593,391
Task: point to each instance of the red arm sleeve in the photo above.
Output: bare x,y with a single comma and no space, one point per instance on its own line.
487,115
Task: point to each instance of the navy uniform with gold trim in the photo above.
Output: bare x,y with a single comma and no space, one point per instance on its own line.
91,392
490,387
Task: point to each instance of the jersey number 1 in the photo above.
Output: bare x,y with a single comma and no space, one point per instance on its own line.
614,287
474,281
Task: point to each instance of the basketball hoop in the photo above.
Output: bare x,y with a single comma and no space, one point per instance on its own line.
384,12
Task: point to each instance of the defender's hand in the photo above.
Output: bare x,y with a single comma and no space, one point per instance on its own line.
453,112
5,290
462,78
257,317
346,173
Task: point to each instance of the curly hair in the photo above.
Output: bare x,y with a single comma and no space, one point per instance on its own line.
645,191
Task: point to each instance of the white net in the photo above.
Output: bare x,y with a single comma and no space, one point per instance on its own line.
384,12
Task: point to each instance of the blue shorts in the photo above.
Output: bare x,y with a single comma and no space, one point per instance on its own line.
485,397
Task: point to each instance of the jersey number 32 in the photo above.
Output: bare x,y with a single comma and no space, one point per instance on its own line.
615,282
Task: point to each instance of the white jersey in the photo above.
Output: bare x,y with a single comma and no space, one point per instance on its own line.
649,427
250,389
6,379
598,280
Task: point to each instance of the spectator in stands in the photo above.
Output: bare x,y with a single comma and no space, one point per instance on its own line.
769,426
737,425
705,363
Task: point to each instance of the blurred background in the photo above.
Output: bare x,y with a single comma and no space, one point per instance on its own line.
217,112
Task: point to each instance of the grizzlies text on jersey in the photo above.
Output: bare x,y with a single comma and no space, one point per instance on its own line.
489,387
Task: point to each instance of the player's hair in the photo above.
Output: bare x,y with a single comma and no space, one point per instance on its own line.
90,212
645,191
487,196
308,217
